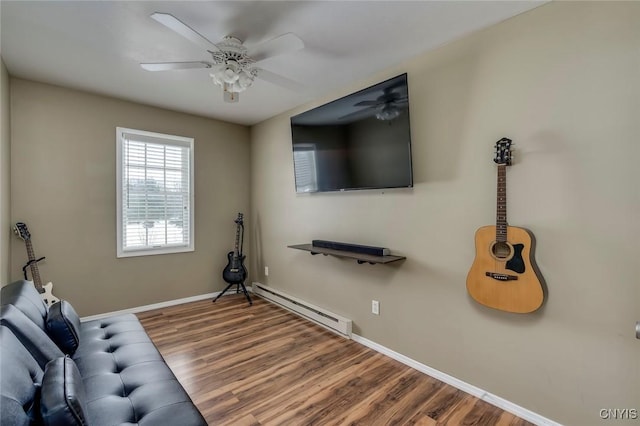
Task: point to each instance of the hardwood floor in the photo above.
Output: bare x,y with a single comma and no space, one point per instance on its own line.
262,365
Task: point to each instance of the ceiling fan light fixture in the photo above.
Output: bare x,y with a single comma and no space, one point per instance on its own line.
245,79
233,82
229,76
387,113
234,78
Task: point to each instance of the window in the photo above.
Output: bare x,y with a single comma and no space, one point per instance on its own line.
154,193
304,160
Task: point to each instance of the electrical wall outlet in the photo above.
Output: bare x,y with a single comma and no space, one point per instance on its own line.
266,271
375,307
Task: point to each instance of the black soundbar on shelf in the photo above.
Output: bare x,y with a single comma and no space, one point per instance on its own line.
356,248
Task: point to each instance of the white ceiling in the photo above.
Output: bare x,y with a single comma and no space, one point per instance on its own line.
97,45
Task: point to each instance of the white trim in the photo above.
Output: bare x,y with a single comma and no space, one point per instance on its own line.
165,139
492,399
152,306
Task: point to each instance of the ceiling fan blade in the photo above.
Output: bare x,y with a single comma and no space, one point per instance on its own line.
285,43
400,102
169,66
184,30
358,115
279,80
369,103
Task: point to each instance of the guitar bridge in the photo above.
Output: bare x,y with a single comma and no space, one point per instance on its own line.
501,277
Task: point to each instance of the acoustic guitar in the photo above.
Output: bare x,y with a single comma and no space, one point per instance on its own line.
504,275
46,291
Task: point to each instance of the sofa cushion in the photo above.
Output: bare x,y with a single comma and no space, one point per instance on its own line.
63,326
32,337
161,402
62,401
21,377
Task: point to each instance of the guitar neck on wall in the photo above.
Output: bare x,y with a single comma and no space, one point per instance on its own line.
45,291
504,275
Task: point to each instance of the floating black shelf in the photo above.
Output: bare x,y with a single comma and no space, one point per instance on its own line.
359,257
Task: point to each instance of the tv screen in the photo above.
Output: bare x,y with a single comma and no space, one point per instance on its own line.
360,141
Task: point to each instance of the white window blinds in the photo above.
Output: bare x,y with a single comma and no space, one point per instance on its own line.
155,211
304,161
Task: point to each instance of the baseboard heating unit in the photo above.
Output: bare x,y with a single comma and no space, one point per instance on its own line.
316,314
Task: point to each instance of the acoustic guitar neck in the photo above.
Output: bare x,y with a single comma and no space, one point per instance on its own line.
501,204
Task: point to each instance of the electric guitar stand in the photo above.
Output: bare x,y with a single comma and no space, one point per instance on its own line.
240,286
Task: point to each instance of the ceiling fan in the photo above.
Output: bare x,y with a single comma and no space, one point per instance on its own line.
385,107
233,65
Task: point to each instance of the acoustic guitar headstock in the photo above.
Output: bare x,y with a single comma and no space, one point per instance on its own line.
239,219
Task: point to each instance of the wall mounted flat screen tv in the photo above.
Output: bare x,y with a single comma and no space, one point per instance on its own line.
360,141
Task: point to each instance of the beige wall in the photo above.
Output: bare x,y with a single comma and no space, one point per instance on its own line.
562,82
64,187
5,176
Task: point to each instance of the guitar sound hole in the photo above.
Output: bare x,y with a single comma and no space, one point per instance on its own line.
502,250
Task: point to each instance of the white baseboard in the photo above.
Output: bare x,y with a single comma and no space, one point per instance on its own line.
492,399
152,306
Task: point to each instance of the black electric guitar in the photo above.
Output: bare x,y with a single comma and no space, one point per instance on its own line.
45,291
235,272
504,275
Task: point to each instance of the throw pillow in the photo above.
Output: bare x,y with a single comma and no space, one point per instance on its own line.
62,398
63,326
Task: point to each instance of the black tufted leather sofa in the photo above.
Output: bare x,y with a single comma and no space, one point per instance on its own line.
124,379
